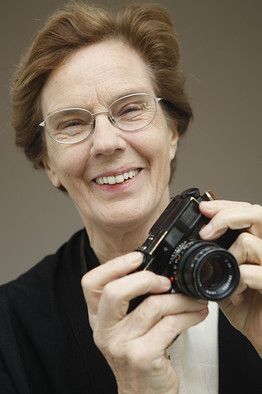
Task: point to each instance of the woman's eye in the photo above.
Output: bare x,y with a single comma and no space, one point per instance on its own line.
70,124
130,109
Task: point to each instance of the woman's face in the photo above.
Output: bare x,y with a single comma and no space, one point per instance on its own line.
92,78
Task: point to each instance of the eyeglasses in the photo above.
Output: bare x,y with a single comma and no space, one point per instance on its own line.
128,113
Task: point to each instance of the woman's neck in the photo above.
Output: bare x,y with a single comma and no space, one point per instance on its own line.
108,245
121,237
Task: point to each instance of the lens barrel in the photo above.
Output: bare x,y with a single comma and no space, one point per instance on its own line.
205,270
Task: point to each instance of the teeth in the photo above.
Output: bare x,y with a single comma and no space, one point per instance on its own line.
120,178
112,180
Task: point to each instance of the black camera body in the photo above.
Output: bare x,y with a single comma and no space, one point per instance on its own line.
204,270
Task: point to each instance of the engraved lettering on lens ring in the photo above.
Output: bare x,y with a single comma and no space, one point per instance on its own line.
180,250
175,258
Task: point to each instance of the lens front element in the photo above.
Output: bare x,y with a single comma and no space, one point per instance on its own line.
212,273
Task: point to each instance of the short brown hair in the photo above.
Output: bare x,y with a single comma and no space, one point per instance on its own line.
147,27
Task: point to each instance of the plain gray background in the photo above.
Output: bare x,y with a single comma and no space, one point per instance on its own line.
221,54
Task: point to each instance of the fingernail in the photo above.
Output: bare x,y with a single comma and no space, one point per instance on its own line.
204,311
207,205
165,282
134,257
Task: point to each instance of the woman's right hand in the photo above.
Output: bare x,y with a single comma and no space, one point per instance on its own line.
134,344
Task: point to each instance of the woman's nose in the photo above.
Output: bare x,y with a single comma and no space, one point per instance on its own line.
106,138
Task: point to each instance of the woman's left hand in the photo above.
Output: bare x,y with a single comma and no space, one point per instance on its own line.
244,308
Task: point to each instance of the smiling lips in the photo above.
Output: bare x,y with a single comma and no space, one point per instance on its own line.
112,180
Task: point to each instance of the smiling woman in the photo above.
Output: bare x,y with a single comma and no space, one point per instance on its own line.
142,143
99,103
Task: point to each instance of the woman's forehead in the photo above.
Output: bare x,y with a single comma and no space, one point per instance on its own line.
107,69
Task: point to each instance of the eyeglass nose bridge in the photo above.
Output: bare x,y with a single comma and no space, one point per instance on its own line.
109,117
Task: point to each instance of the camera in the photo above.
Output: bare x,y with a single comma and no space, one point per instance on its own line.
173,248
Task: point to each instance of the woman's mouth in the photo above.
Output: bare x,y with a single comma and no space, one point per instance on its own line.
114,179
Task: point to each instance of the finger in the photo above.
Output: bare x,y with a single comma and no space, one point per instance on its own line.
233,215
251,278
139,326
211,208
113,269
117,294
156,307
95,280
164,332
247,249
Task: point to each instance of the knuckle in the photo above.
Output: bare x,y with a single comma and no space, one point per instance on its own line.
112,347
244,239
174,324
152,305
97,338
148,309
247,244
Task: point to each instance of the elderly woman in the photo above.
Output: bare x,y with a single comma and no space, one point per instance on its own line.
99,102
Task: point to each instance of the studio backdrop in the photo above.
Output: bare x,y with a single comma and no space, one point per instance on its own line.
221,45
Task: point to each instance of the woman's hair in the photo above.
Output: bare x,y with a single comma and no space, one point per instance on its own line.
145,27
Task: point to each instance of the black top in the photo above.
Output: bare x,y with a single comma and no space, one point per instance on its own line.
46,343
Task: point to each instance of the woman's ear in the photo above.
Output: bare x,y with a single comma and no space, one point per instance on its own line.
174,137
52,175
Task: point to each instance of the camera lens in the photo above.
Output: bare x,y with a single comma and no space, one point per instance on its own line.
206,270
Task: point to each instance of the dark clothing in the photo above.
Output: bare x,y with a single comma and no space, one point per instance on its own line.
46,343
